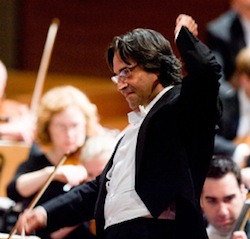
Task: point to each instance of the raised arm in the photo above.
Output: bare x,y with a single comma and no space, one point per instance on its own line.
188,22
199,96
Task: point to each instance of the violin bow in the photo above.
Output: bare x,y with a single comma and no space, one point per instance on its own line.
42,190
43,68
242,219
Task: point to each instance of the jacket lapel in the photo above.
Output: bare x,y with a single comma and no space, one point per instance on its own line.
164,100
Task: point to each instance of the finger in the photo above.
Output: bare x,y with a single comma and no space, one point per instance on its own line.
23,233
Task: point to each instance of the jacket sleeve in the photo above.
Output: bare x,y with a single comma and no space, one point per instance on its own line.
201,107
197,57
72,208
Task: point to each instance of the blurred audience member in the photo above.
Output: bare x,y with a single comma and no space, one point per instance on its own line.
233,137
228,34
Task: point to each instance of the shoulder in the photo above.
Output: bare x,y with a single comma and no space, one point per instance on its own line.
224,21
228,94
229,100
168,99
14,107
14,103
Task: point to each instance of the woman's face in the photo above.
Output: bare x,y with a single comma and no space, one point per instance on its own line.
67,130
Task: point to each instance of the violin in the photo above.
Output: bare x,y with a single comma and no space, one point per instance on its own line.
73,158
242,219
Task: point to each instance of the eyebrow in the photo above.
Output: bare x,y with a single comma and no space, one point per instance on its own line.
123,68
226,197
210,197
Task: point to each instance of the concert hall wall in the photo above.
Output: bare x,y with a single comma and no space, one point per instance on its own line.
86,28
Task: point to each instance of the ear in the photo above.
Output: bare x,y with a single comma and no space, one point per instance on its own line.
244,191
201,202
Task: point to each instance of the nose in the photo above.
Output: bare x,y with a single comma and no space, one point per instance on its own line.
222,209
70,131
121,84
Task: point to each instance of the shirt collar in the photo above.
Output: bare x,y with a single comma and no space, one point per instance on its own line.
134,116
151,104
214,233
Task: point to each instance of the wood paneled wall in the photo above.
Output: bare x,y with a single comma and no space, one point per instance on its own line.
88,26
111,105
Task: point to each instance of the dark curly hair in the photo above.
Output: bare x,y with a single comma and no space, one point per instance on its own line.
150,50
222,165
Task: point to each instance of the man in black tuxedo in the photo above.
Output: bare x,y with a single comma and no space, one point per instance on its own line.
151,186
227,35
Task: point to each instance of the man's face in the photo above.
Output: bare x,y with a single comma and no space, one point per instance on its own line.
221,201
139,87
244,81
242,3
242,7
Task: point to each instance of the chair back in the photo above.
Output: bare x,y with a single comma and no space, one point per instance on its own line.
11,155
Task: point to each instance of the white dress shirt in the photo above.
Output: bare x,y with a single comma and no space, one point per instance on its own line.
244,119
215,234
122,202
242,150
246,29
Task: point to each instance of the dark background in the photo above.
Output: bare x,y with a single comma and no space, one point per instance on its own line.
86,29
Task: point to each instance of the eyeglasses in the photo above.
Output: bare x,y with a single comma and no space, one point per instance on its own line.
123,74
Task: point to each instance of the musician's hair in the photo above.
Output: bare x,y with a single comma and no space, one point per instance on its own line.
101,145
151,51
58,99
222,165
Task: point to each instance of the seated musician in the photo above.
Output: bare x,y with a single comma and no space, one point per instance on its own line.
233,137
65,119
94,157
15,118
222,199
96,153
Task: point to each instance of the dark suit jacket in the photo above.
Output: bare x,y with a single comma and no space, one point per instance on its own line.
173,151
228,123
225,37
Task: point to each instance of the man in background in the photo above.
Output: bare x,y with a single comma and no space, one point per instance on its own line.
233,135
227,35
222,199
